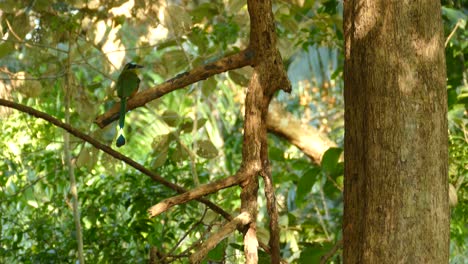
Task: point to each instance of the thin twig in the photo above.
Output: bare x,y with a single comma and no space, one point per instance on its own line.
13,32
30,44
320,218
324,203
452,33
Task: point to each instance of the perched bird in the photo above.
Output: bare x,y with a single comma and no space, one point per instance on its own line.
127,86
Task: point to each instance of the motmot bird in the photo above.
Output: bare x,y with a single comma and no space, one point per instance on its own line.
127,86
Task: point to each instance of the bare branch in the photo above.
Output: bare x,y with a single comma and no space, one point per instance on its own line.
231,62
198,192
238,222
155,177
308,139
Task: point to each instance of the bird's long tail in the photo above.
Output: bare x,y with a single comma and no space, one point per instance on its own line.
123,108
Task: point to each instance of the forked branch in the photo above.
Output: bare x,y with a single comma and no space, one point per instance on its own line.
198,192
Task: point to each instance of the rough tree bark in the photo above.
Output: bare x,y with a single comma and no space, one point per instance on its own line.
396,188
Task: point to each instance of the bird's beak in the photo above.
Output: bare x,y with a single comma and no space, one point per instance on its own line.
138,66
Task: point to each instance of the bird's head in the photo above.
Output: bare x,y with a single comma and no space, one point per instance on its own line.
131,67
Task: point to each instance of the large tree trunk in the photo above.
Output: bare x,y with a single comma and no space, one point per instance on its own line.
396,186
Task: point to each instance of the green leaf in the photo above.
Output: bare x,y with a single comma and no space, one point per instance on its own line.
329,7
235,6
454,15
238,78
187,125
6,48
330,160
205,10
171,118
179,154
313,253
160,147
275,153
174,61
217,253
451,97
206,149
263,258
177,19
208,86
304,186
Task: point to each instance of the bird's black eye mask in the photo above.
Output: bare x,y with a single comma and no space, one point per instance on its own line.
133,66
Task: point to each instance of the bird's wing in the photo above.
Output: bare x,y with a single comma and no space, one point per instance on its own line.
127,84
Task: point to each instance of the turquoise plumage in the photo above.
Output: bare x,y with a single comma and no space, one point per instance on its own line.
127,85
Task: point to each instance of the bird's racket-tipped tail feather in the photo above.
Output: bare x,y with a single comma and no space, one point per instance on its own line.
120,141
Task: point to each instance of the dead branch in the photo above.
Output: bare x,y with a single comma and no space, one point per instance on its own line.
231,62
198,192
238,222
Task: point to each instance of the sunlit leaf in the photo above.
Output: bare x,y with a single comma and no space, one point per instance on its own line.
179,154
171,118
238,78
206,149
330,160
208,86
187,125
313,254
176,19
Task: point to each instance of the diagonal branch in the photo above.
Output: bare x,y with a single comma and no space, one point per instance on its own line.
155,177
199,191
231,62
306,137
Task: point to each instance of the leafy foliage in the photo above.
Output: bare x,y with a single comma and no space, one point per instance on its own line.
190,136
